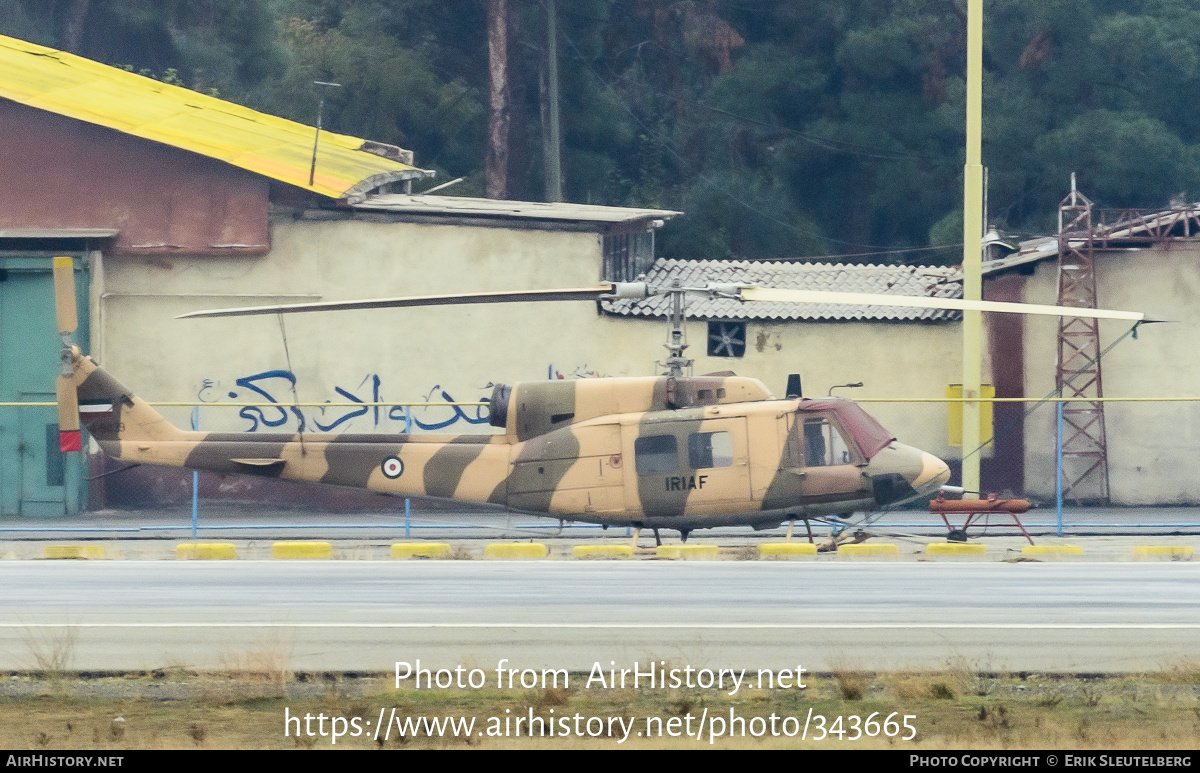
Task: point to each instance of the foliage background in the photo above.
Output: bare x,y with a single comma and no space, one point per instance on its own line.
784,128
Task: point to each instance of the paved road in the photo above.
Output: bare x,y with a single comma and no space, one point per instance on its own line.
222,520
358,615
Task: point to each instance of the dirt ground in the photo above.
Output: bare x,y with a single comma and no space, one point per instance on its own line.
250,707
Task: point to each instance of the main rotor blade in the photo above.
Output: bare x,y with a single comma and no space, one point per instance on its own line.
921,302
573,294
64,295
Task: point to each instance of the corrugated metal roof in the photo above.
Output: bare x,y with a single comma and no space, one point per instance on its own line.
461,206
1031,251
1177,222
79,88
933,281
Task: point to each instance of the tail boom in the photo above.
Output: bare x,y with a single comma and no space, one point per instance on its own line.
466,467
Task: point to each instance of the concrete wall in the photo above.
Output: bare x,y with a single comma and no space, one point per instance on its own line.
1152,447
410,351
441,353
57,172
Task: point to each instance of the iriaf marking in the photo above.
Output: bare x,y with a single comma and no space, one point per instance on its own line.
684,482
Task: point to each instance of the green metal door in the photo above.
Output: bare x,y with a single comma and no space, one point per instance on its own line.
36,479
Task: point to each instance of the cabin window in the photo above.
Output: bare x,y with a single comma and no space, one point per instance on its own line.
710,449
824,445
655,453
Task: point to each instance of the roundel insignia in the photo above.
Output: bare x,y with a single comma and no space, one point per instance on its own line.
392,467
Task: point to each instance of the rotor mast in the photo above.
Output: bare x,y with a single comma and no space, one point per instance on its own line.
677,338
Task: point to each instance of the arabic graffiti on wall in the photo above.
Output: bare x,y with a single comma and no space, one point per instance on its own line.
278,387
579,371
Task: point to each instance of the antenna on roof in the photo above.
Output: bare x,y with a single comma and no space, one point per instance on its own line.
321,85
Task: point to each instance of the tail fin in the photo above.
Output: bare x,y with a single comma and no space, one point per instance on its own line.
85,392
111,413
69,438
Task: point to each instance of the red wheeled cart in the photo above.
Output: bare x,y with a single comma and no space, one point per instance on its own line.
979,512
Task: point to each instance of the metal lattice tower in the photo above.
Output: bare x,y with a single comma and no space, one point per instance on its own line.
1085,448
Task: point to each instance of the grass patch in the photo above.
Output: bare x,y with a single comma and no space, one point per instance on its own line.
145,711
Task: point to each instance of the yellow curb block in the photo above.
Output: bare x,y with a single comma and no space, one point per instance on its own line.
602,551
73,551
786,549
301,550
420,549
1177,552
867,549
686,552
1052,550
955,549
222,551
516,550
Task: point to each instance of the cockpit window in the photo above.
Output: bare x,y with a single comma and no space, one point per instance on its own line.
860,427
655,453
824,445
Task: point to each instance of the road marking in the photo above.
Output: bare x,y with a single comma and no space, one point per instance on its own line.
642,626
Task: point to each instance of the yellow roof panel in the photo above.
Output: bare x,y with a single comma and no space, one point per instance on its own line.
79,88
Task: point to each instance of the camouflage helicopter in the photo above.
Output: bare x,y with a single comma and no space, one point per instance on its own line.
660,452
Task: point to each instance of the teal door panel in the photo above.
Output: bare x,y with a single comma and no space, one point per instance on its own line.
41,463
36,479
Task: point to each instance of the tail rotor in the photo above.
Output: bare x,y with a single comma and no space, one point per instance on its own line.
69,436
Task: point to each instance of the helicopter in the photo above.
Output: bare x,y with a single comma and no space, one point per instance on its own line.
671,451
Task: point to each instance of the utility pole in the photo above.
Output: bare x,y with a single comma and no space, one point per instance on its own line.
496,160
972,264
552,150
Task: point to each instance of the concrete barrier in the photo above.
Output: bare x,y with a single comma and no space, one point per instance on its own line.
1163,552
74,551
301,550
516,550
419,550
219,551
955,549
786,549
869,550
602,551
686,552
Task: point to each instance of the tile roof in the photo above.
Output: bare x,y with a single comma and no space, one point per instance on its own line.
933,281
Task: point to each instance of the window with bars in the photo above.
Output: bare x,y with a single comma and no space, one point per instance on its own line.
627,255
